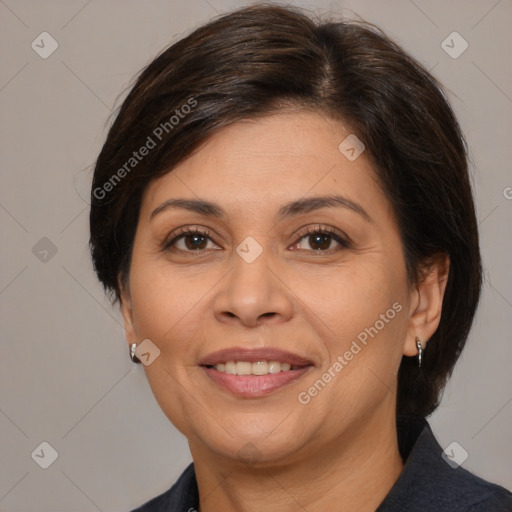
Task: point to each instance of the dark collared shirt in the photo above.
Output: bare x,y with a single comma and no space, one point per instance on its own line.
428,483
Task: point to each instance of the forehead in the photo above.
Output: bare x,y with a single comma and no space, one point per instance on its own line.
272,159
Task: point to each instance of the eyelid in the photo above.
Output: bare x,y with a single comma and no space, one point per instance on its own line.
184,230
330,230
339,236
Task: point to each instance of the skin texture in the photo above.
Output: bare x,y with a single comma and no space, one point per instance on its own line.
339,451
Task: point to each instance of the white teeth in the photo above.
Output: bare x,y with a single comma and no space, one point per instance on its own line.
260,368
243,368
274,367
256,368
230,367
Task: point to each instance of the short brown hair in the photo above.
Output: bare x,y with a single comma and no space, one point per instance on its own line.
256,60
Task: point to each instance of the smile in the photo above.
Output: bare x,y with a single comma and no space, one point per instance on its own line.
253,385
255,368
254,372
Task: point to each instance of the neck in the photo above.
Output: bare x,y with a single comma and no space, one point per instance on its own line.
353,472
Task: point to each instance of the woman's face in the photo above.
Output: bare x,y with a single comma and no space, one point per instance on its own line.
323,281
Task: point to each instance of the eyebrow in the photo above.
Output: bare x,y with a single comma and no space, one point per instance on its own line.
304,205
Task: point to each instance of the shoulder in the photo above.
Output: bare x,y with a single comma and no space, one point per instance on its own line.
431,481
182,496
466,492
498,500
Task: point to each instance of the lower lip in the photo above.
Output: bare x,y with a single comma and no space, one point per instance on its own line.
254,385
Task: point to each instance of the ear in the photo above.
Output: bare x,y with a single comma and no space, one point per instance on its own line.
127,311
426,303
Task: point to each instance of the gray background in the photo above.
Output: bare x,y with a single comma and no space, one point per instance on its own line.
65,376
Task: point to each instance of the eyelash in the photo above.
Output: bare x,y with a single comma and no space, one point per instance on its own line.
343,240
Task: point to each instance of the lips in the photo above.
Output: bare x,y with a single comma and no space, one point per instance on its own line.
253,356
215,366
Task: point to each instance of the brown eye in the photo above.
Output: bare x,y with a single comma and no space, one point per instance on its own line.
189,240
321,239
194,242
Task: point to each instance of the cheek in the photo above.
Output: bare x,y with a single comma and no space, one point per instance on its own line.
168,303
363,326
351,299
363,308
167,310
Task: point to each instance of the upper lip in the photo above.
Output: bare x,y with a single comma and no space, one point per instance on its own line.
253,355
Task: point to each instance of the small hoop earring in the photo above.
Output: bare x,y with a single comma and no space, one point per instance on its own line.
420,351
133,357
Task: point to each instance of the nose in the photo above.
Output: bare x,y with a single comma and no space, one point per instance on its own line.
253,293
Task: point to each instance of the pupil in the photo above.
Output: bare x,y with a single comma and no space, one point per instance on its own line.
197,241
325,238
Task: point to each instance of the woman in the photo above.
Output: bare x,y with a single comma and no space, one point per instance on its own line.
283,210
